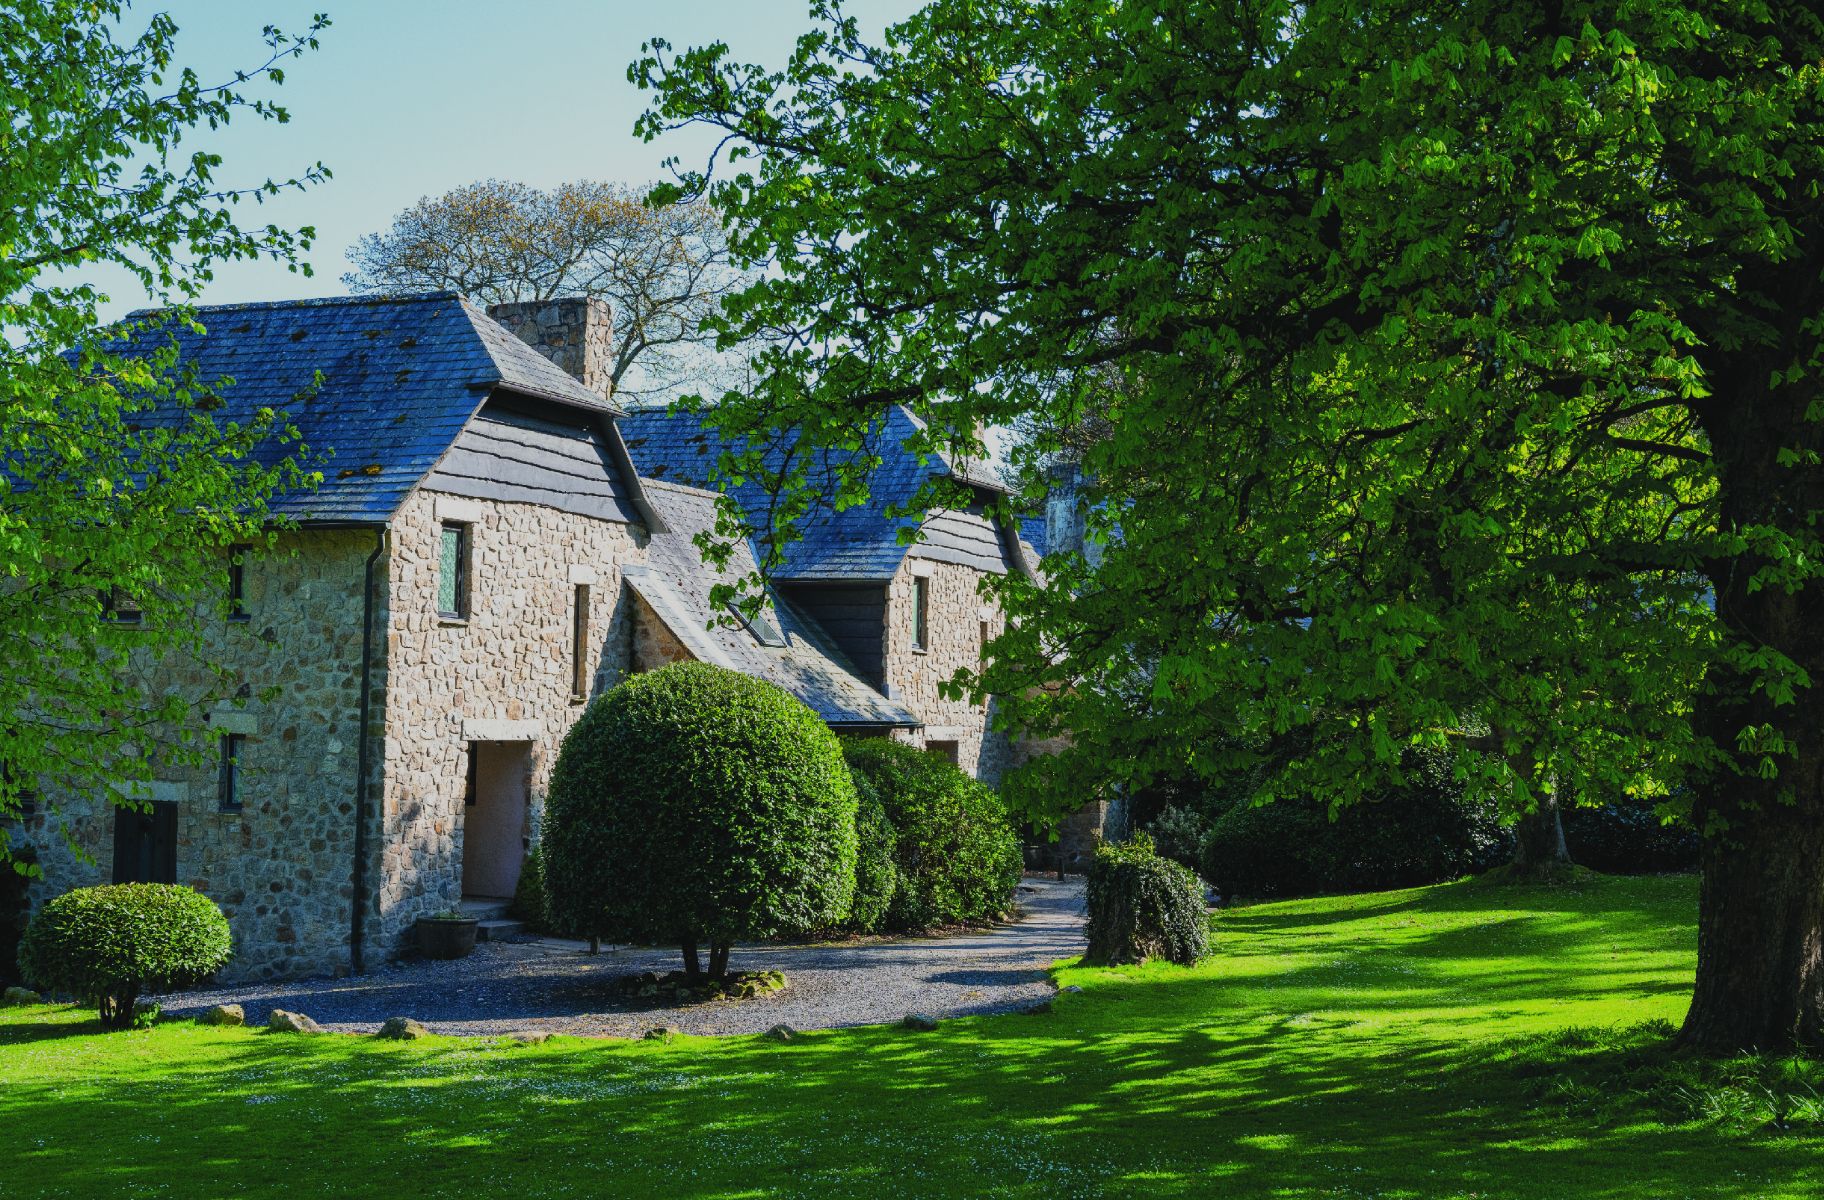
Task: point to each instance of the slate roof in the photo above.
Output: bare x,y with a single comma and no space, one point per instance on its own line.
676,582
401,377
859,543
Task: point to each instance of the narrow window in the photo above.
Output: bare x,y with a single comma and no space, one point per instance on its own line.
117,605
228,774
921,594
981,653
579,644
237,582
453,572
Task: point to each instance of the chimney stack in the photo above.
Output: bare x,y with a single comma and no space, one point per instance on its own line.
576,333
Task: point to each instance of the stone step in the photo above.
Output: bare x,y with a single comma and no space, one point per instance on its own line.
498,929
484,909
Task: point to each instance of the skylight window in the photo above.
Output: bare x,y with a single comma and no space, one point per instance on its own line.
761,625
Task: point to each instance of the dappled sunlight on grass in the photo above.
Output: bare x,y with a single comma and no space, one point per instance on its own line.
1349,1046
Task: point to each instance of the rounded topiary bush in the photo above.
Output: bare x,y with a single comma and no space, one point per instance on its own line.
111,944
1143,906
1423,831
876,872
696,805
956,854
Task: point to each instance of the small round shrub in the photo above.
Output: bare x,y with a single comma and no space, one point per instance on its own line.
1628,838
876,874
1424,831
1178,834
957,856
529,894
694,804
1143,906
110,944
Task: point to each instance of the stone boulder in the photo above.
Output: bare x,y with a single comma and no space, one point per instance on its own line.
528,1038
781,1033
403,1029
921,1022
663,1033
14,997
224,1014
290,1022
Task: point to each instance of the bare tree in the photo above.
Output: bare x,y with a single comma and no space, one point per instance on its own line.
663,269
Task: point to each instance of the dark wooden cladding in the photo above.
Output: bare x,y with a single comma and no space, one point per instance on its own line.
506,454
855,617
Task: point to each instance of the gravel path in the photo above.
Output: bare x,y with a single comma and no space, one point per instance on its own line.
556,987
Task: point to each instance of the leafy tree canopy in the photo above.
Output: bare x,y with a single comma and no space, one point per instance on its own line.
662,268
118,491
1459,366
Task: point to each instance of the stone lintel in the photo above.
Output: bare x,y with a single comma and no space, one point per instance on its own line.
482,729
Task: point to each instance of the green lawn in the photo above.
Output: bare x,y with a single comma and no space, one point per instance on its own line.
1379,1045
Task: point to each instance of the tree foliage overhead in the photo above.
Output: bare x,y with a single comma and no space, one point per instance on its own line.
117,487
663,269
1459,364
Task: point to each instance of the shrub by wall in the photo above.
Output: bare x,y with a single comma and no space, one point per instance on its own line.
111,944
957,856
1143,906
1628,838
1423,832
694,805
1178,834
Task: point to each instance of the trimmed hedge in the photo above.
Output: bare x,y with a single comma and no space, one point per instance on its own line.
876,871
111,944
1425,831
1178,834
529,904
1628,838
957,856
1143,906
694,804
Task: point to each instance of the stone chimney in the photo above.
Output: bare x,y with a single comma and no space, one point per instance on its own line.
576,333
1065,518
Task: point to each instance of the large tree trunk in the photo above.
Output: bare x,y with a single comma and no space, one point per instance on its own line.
1539,847
1760,927
1760,932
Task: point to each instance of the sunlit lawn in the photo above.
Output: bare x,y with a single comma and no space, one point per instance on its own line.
1362,1046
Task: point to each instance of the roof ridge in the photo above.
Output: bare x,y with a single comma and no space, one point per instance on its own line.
305,302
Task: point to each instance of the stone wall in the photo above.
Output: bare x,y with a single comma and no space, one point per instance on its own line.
502,674
954,619
654,644
576,333
280,867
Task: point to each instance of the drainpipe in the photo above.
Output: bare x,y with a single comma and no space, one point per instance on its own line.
358,903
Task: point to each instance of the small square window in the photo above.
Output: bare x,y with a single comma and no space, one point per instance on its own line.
237,582
453,572
228,773
118,606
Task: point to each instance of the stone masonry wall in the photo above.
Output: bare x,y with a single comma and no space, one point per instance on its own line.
954,618
654,644
503,674
281,866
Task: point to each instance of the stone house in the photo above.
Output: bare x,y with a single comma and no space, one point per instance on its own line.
494,543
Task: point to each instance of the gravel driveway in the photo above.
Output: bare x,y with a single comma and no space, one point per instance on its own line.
555,987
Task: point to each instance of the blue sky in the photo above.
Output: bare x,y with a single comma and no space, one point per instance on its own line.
409,98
